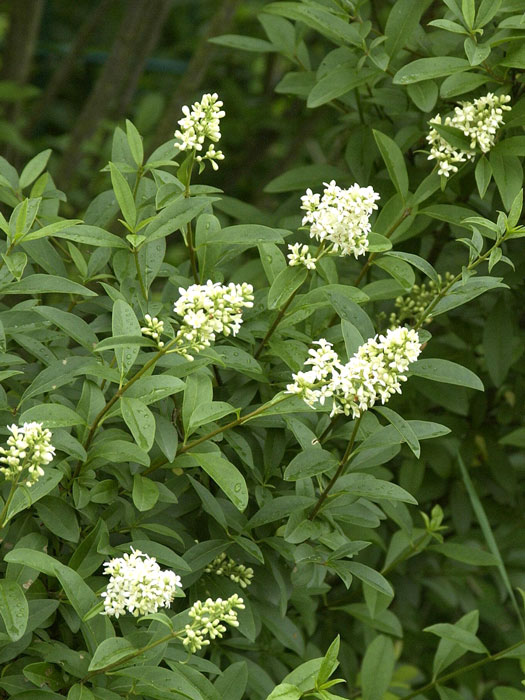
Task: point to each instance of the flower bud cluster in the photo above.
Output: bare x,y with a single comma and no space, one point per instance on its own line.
340,217
137,585
374,372
199,123
208,619
411,306
478,120
224,565
208,309
154,329
29,448
300,255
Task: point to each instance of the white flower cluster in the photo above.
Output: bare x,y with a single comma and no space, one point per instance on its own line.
137,585
29,447
300,255
224,565
207,309
199,123
208,618
478,120
374,372
154,329
341,217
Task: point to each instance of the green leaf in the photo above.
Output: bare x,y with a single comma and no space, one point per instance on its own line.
497,332
329,663
377,668
52,415
243,43
119,451
483,174
285,691
310,462
489,538
175,217
123,341
232,682
134,142
461,83
145,493
371,577
445,371
51,229
80,692
394,161
429,68
44,284
398,270
402,23
124,322
306,176
109,652
205,413
333,27
503,693
152,389
59,518
367,486
16,263
285,284
337,82
348,310
90,235
508,175
246,235
402,426
460,636
124,195
226,476
424,94
14,609
465,554
74,326
33,169
460,294
139,420
516,438
417,262
25,496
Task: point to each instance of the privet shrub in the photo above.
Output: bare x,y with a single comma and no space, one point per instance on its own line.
217,481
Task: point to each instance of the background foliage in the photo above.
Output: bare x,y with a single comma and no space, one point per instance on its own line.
313,90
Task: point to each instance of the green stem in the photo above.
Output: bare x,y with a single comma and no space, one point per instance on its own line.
443,292
339,471
219,430
389,233
462,670
277,321
100,415
3,514
189,229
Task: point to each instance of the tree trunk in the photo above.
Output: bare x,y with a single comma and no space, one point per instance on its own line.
118,77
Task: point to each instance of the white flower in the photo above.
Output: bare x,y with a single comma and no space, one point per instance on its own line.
340,217
29,448
153,328
224,565
208,309
478,120
300,255
137,585
208,618
374,372
199,123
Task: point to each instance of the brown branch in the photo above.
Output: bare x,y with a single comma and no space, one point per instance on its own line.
123,68
66,65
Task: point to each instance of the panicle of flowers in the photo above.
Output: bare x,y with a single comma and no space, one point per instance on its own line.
208,309
28,448
224,565
411,306
154,329
137,585
478,120
300,255
373,373
208,619
199,123
340,216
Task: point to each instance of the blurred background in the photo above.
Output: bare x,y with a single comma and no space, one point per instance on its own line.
71,71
